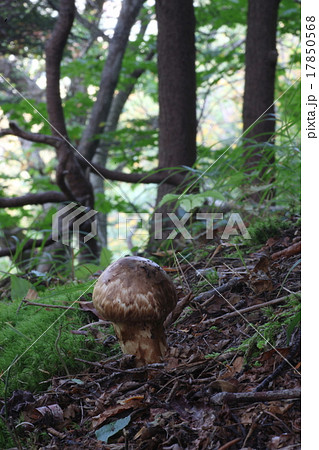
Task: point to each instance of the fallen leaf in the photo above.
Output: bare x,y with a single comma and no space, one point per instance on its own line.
31,295
224,385
104,433
294,249
114,410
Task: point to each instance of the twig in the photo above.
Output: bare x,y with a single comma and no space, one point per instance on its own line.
91,363
250,308
229,444
44,305
208,296
178,310
58,350
282,365
251,397
55,433
117,369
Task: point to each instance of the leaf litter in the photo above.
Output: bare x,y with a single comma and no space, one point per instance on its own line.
221,385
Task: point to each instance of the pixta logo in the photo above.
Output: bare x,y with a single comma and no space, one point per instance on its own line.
65,224
127,225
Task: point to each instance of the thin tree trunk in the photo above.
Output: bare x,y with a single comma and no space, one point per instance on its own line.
261,59
177,89
129,12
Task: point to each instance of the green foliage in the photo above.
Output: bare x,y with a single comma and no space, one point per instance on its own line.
283,321
263,229
26,114
19,287
24,27
133,147
135,144
88,67
6,440
84,271
209,279
41,339
289,17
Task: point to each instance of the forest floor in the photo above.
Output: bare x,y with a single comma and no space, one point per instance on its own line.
230,379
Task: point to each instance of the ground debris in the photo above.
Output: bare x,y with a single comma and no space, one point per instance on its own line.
204,395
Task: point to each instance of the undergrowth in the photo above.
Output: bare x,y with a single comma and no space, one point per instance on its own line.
279,324
39,343
263,229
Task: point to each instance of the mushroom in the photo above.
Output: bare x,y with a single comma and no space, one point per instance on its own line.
136,295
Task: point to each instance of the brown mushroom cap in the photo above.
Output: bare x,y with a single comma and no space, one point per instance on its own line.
134,289
136,295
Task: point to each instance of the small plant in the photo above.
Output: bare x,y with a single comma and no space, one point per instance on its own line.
264,229
212,355
287,319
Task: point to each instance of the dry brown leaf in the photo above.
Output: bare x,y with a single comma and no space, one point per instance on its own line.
294,249
284,351
31,295
225,385
114,410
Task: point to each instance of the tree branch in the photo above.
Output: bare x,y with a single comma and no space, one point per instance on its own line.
31,243
251,397
164,175
92,27
169,176
33,199
33,137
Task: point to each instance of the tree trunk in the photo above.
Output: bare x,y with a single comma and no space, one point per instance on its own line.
89,141
69,174
177,90
261,59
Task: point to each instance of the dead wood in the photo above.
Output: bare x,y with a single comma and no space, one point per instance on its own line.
283,365
209,295
251,397
174,315
251,308
44,305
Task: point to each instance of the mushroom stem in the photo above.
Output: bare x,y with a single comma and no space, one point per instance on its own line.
146,341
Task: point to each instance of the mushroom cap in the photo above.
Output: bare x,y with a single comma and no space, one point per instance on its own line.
134,289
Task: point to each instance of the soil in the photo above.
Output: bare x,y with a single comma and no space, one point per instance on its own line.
230,379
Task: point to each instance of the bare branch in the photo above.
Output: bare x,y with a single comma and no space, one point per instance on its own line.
92,27
169,176
33,199
31,243
27,135
250,308
240,397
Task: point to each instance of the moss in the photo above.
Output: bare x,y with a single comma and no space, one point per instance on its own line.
5,438
264,229
41,341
